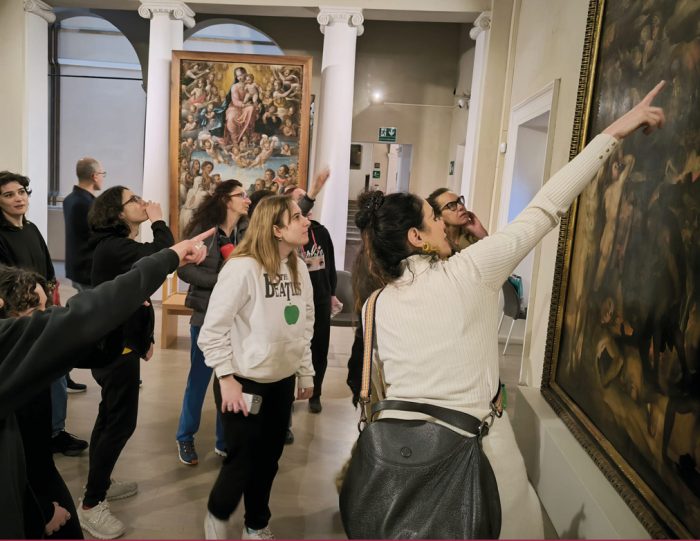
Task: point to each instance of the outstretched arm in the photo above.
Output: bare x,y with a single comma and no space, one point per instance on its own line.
38,349
495,257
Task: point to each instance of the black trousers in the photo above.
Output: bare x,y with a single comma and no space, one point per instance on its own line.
45,485
320,341
115,423
254,445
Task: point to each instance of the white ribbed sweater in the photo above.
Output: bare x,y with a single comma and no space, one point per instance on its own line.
436,326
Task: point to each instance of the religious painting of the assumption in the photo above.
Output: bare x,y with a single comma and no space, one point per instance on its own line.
243,117
624,346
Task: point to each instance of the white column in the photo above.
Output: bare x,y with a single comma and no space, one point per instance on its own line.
340,28
480,33
167,19
35,150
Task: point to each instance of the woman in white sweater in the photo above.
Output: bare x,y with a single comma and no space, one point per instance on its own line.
436,320
256,336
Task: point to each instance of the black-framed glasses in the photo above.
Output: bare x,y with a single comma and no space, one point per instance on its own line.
22,192
133,199
103,173
452,205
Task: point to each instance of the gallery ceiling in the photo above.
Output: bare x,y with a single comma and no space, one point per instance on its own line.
446,11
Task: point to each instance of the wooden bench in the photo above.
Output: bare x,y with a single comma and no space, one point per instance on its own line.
172,306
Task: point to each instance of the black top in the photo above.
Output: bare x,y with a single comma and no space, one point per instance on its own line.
24,247
319,253
114,255
36,350
78,251
202,277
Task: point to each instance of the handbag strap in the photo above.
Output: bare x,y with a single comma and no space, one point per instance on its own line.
368,343
458,419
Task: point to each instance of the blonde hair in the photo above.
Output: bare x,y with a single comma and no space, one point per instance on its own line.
260,242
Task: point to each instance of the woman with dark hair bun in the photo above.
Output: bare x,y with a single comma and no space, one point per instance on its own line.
226,209
437,316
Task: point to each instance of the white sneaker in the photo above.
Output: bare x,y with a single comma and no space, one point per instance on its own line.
263,533
119,490
99,521
220,452
214,528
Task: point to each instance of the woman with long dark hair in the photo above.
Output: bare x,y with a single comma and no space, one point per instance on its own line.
448,356
226,209
256,335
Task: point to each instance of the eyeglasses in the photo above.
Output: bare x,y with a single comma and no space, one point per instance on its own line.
133,199
103,173
452,205
22,192
242,195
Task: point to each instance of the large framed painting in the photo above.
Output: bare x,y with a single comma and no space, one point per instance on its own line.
622,364
244,117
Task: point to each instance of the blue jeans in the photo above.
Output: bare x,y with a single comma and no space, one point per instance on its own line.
59,405
197,383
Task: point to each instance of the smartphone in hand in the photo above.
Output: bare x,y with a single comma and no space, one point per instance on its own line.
253,403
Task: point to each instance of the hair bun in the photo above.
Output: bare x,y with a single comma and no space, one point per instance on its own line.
369,203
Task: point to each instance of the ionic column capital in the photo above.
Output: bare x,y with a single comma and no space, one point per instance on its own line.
482,24
42,9
330,15
176,9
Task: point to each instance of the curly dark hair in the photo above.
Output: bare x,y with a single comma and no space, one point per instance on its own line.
8,176
384,222
105,211
212,211
18,290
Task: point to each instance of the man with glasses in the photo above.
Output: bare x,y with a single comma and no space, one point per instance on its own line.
462,226
91,176
21,245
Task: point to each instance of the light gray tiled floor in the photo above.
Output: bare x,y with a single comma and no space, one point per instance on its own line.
172,498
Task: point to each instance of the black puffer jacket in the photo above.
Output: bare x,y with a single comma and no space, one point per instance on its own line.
202,278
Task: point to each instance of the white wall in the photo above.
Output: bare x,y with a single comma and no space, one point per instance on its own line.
12,95
410,63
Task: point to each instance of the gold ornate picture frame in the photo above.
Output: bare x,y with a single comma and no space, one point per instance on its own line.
622,360
234,116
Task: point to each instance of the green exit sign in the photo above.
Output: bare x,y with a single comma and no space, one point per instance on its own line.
387,135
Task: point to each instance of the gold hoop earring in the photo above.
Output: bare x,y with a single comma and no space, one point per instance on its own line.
429,249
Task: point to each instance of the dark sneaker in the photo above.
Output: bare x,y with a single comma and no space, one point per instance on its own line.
289,438
73,387
315,404
67,444
221,452
186,453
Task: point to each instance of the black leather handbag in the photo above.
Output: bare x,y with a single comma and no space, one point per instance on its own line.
416,479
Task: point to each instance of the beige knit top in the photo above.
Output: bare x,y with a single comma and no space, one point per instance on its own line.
437,325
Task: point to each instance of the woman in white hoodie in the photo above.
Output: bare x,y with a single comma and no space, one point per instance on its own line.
256,336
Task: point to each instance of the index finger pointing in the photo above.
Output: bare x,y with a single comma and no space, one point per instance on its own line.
654,92
208,233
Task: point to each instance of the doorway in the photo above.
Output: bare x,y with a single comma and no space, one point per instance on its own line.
374,166
528,158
